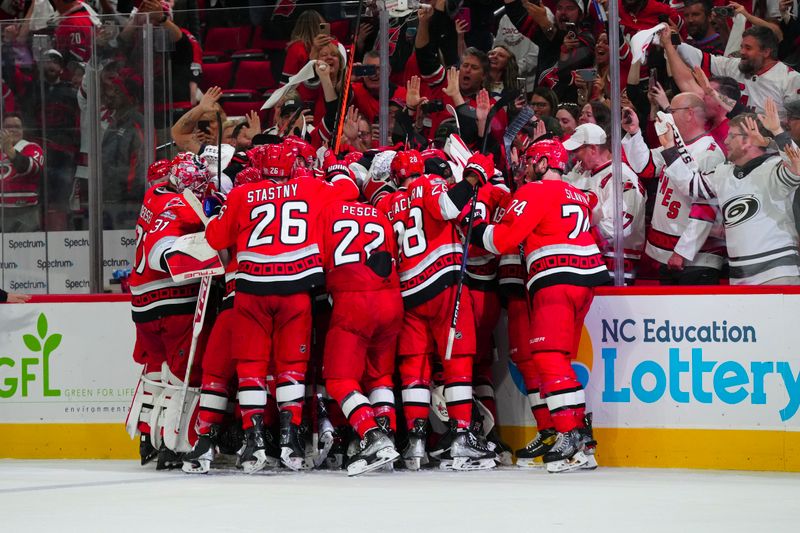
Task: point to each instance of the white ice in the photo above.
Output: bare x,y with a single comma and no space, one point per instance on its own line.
121,496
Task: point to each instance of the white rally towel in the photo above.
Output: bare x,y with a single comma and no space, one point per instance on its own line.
306,73
642,41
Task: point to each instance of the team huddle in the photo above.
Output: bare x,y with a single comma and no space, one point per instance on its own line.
344,290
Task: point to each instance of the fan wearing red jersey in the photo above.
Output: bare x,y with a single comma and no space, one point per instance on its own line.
552,219
271,224
423,213
361,277
163,309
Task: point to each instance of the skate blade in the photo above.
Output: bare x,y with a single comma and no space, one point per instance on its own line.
534,464
199,466
505,459
326,439
464,464
260,462
293,463
361,467
568,465
335,461
591,462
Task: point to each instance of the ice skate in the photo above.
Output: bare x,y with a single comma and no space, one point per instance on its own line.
253,456
531,455
291,443
376,450
502,449
589,444
146,451
198,461
566,454
414,455
471,452
167,459
383,423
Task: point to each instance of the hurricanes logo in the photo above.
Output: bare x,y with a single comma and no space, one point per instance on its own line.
740,209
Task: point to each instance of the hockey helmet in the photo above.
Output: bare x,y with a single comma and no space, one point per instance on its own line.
481,166
275,161
553,150
407,164
158,171
302,150
189,172
248,175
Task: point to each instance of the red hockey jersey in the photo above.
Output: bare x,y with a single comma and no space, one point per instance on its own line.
272,226
350,233
429,248
19,182
482,264
154,294
552,220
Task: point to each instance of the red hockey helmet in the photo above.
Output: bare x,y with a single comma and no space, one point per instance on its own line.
275,161
480,165
302,150
434,152
248,175
158,172
189,172
303,172
407,164
553,150
352,157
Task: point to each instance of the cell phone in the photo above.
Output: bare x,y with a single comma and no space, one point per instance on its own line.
587,74
308,105
522,83
325,28
651,82
675,37
724,11
464,14
571,27
627,116
365,71
204,126
434,106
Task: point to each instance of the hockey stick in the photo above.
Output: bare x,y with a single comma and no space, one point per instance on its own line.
219,153
451,335
524,116
341,113
199,313
452,111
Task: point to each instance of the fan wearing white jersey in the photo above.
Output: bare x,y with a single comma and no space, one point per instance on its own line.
678,237
755,190
590,145
758,71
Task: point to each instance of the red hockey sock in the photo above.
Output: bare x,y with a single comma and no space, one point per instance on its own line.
271,410
355,405
290,388
252,389
563,393
415,379
457,375
213,403
382,400
530,375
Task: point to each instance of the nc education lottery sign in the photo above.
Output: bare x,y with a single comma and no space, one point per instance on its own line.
68,362
705,361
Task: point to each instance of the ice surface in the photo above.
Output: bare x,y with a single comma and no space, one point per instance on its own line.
121,496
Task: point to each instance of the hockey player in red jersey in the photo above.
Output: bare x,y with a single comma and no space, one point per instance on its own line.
551,219
271,224
422,213
162,308
357,244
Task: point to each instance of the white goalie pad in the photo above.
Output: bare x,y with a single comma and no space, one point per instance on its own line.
176,432
191,257
457,151
135,409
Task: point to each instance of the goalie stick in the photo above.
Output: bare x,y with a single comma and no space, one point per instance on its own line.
524,116
504,100
199,313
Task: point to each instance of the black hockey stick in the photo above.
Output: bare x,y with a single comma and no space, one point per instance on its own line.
504,100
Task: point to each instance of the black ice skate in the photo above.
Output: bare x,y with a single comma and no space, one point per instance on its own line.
567,453
325,432
531,455
198,461
589,444
470,451
253,456
414,455
146,451
376,450
385,425
291,442
338,453
167,459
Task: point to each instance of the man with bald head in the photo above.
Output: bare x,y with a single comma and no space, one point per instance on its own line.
678,240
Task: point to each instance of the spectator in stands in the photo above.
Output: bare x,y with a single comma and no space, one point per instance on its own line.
122,152
757,68
198,126
702,34
568,114
21,164
306,40
524,50
503,70
544,101
596,112
56,123
366,90
73,33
